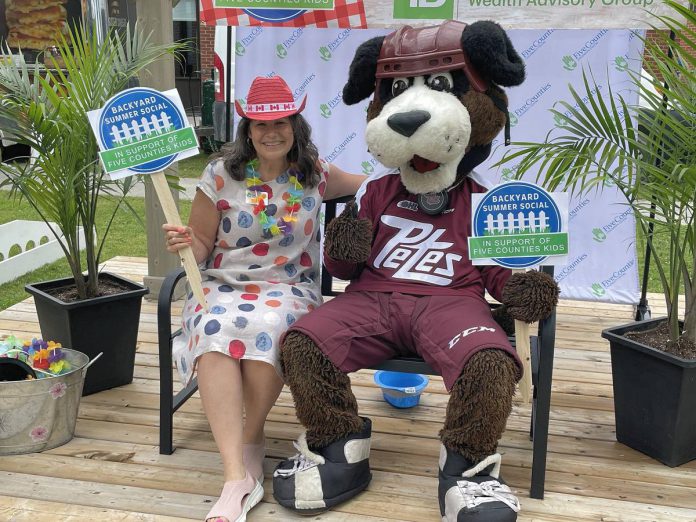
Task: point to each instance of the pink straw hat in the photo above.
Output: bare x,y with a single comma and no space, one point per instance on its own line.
269,99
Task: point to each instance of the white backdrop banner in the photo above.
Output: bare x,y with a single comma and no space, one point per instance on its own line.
602,263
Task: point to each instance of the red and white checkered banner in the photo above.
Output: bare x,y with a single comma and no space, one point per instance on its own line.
373,14
345,14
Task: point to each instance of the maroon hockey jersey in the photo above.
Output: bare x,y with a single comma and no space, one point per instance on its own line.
414,252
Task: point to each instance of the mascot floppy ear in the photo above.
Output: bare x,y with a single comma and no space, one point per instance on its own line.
492,53
361,75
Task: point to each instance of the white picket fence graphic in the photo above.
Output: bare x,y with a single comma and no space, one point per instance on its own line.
139,131
529,224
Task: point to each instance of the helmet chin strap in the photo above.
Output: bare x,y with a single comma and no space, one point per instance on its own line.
502,107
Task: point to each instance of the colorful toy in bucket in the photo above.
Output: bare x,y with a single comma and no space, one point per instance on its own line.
401,390
39,409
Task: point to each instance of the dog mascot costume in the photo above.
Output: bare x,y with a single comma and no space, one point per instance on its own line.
436,109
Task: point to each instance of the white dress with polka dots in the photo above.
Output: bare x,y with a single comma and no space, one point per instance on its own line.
256,285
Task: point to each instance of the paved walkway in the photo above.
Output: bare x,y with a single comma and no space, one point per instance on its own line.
189,185
138,191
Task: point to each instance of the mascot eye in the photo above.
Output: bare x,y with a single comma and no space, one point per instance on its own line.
441,82
400,85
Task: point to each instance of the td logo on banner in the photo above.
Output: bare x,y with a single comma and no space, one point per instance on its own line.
425,9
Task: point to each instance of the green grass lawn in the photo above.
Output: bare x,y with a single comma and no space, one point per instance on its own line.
126,238
193,167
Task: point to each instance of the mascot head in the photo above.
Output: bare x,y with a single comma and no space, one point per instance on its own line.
437,102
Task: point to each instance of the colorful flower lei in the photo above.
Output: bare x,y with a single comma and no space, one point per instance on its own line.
268,223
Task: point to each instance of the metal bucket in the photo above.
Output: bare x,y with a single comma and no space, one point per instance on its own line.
40,414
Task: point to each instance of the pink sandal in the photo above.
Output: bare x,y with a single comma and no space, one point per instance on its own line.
236,499
253,455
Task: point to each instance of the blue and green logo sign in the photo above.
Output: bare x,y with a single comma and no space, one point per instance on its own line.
275,10
239,49
517,225
281,51
141,130
424,9
277,5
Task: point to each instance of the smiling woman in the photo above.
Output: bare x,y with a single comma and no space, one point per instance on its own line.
255,227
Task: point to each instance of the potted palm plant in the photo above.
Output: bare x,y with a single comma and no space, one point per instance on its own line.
90,311
649,154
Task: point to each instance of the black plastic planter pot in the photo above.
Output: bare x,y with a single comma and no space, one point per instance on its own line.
654,397
106,324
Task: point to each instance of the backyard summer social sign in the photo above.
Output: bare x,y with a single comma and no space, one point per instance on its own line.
142,131
518,225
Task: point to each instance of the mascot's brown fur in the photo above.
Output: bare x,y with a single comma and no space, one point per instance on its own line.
437,107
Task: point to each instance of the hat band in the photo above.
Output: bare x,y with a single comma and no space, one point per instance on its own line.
271,107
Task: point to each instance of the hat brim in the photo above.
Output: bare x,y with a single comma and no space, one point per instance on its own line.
268,116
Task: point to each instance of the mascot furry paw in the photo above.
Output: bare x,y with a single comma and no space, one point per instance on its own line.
437,106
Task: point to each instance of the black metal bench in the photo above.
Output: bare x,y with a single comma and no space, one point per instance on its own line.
542,353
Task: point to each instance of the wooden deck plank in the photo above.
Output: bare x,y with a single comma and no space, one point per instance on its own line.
112,469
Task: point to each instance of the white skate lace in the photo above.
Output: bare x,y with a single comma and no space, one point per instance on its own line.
304,460
478,493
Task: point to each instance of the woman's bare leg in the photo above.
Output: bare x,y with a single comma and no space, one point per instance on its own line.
220,386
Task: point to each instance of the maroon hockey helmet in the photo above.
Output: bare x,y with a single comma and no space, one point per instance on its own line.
426,50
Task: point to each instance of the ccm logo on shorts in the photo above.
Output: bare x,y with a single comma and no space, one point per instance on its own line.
467,332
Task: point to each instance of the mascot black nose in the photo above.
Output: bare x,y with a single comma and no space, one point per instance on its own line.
407,123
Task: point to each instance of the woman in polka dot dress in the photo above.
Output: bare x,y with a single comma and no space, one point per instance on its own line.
255,223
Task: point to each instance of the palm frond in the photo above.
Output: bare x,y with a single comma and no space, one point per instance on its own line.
648,153
48,109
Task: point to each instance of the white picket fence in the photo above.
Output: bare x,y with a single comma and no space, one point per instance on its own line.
136,131
512,224
28,245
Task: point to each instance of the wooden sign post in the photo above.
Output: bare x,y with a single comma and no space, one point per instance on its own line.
522,345
518,225
142,131
171,214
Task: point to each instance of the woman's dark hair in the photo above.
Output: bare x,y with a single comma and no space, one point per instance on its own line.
303,154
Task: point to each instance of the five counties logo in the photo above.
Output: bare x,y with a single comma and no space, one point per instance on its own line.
324,53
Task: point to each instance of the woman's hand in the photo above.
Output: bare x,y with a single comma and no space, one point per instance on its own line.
177,237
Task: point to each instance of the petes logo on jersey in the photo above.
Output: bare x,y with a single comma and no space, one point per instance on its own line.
416,254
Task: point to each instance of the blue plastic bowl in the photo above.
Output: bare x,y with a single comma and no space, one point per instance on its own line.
401,390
